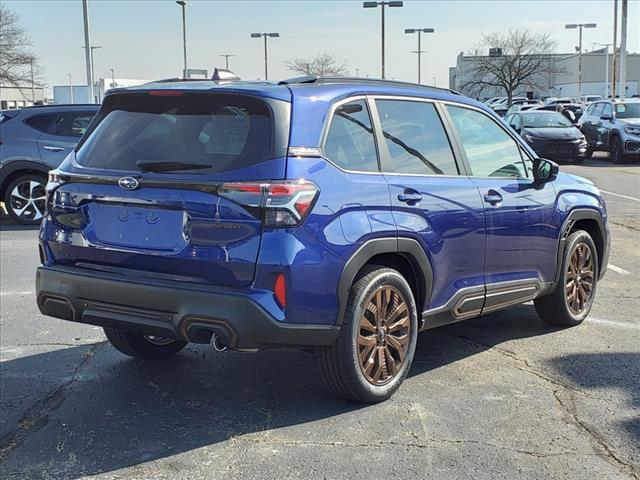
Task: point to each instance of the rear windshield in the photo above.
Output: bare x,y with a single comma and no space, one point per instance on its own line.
188,133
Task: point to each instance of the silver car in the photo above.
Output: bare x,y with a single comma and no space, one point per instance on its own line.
34,140
613,126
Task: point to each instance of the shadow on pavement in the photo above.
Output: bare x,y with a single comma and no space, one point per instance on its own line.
114,412
615,370
8,225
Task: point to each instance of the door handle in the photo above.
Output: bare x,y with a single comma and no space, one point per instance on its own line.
492,197
53,149
410,197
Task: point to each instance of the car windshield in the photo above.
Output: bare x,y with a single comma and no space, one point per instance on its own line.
546,120
628,110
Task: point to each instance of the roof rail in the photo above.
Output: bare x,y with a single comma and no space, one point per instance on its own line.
320,80
44,105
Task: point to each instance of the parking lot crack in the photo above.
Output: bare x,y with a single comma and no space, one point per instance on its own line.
525,366
568,406
37,415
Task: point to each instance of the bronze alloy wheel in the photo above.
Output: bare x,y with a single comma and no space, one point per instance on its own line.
383,336
580,279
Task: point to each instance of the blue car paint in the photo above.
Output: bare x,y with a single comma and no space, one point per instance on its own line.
467,243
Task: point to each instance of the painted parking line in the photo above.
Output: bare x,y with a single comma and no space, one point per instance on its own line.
621,196
619,270
22,292
613,323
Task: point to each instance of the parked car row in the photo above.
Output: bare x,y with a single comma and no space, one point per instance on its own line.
611,126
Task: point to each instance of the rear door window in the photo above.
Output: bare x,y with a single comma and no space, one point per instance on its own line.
72,124
416,139
350,142
194,133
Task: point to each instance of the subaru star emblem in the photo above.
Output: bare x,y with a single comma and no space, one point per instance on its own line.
128,183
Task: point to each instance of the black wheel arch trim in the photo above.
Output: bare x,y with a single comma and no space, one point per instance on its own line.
408,247
11,168
574,216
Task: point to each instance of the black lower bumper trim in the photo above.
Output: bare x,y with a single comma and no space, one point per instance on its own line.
168,310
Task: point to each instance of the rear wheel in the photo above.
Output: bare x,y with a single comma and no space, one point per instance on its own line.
148,347
571,301
377,341
25,199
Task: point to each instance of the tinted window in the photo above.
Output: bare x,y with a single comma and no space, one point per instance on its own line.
209,132
415,138
42,122
490,150
350,141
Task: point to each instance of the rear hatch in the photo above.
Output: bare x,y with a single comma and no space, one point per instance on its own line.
169,184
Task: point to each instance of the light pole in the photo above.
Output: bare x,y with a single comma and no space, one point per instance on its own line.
93,74
265,35
87,42
113,78
70,88
382,4
419,31
226,59
580,26
434,81
183,4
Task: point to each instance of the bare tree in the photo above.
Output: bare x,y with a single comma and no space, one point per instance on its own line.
322,65
16,56
518,58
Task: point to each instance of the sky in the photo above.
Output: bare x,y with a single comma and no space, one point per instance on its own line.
143,38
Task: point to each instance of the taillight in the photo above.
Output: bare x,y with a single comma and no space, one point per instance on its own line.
53,182
281,204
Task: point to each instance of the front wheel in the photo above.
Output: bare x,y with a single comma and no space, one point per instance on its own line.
571,300
377,341
148,347
615,149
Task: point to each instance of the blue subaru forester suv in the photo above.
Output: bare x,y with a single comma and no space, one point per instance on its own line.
340,214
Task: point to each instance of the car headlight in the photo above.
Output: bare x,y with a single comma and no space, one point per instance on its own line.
632,130
531,138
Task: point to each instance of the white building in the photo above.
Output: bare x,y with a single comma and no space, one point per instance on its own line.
23,96
80,93
565,84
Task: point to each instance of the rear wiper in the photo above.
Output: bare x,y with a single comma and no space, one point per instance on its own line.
169,166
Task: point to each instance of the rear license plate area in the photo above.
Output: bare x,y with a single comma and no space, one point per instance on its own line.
138,227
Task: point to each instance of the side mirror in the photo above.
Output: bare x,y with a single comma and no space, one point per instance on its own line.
515,127
605,117
544,171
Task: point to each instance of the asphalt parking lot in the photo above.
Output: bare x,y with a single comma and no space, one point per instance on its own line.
503,396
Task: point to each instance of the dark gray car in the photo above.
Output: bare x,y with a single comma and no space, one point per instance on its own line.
33,141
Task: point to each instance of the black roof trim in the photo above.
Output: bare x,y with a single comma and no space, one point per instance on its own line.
308,79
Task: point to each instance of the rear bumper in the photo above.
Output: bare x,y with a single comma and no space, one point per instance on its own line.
168,310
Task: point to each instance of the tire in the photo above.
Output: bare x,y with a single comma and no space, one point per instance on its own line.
389,362
558,308
142,346
25,199
579,160
615,150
